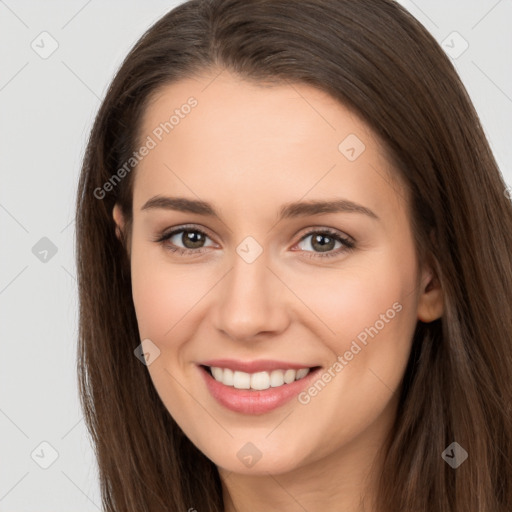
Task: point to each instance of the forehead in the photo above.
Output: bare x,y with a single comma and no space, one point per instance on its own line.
218,132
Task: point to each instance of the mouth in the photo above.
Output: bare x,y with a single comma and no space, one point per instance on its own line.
258,387
257,381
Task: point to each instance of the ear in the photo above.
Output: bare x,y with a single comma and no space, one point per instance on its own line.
430,301
119,220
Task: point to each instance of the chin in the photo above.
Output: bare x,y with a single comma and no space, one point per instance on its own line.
252,458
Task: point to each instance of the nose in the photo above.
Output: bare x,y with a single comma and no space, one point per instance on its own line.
250,303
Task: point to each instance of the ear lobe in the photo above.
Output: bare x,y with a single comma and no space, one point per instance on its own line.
430,303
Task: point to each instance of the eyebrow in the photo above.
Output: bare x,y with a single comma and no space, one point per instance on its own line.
287,211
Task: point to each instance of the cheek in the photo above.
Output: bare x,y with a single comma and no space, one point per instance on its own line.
154,304
166,295
160,297
373,316
370,310
349,301
166,298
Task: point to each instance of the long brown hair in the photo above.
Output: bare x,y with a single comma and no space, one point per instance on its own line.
374,57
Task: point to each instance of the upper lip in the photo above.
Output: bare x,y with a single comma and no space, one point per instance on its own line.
260,365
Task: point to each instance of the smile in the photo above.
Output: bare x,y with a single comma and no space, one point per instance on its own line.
258,381
256,387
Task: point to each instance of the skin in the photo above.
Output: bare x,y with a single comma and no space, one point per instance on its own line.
248,149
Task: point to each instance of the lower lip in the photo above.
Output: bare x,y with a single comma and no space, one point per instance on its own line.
251,401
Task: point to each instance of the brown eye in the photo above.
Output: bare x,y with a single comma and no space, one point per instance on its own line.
192,240
322,242
325,242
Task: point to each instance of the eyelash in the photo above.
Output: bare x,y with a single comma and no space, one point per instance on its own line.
346,242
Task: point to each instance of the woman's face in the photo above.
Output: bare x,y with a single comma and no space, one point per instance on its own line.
266,284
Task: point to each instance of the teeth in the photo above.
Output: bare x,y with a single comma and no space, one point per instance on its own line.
277,378
289,376
241,380
227,376
217,373
302,373
258,381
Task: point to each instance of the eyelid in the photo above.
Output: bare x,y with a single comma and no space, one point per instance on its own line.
324,229
166,233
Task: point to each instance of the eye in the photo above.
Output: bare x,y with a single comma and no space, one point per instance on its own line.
191,237
323,242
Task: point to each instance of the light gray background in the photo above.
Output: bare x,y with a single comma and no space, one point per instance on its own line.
47,108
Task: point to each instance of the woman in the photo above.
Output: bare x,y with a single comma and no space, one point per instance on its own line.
293,249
